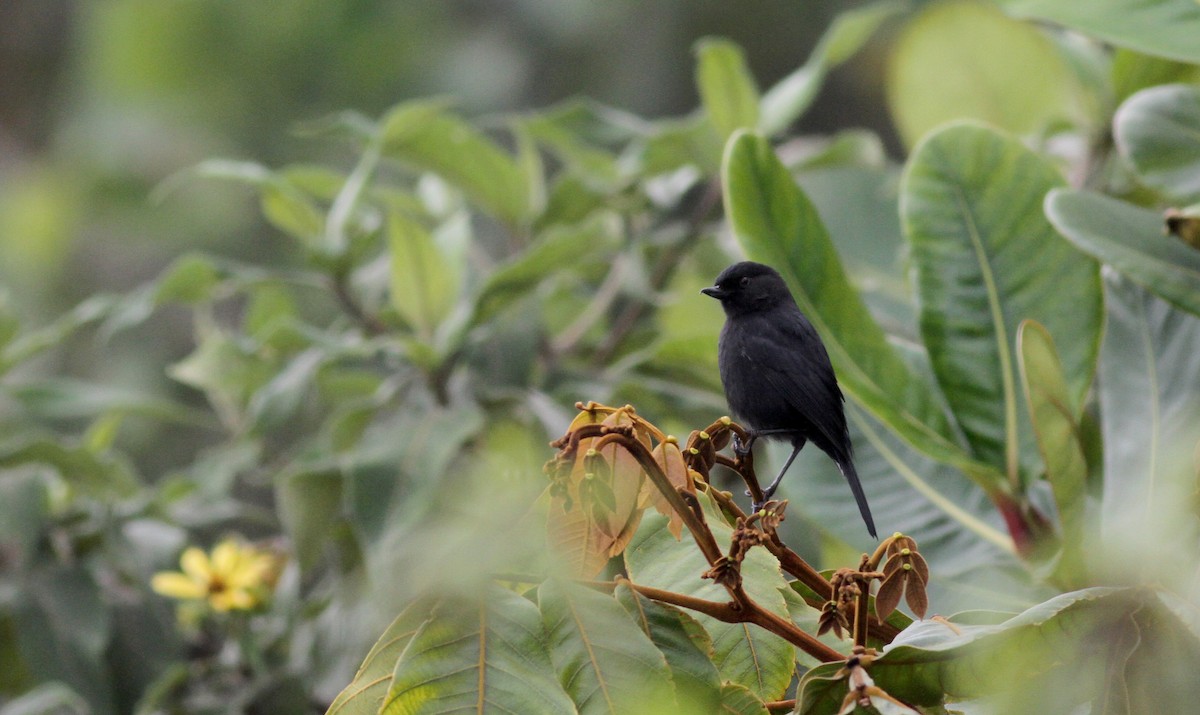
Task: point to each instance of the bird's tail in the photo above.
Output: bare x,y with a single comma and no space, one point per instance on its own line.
851,475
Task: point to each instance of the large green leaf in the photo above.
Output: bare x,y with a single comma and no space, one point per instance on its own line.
604,660
424,135
1130,239
1042,660
776,224
726,86
1167,28
743,653
966,60
364,695
789,98
1056,425
683,642
1150,403
482,654
1158,130
985,259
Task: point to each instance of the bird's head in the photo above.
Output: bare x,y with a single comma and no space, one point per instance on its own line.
749,287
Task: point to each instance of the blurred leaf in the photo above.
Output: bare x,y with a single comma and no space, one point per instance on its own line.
674,144
467,652
65,398
1134,71
960,60
604,661
424,135
727,88
43,338
189,279
310,506
559,248
95,474
292,212
759,660
1166,28
572,133
1158,130
51,698
365,694
971,204
424,280
24,508
1130,239
1033,662
776,224
276,402
791,97
1150,401
1055,418
685,645
64,627
224,371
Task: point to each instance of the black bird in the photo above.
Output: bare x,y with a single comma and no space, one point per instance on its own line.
776,372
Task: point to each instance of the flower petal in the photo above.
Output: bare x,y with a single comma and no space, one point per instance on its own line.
195,563
177,585
225,558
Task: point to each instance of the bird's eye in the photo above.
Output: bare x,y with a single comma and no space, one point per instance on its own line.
745,281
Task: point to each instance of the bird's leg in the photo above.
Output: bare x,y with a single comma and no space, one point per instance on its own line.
770,490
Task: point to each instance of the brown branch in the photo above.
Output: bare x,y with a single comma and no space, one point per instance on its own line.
698,529
747,611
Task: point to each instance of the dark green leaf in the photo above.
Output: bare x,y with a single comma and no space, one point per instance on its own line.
310,506
985,259
605,662
742,653
685,645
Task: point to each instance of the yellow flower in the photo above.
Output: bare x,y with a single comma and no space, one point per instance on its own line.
236,576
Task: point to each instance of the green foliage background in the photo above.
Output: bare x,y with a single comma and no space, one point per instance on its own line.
355,339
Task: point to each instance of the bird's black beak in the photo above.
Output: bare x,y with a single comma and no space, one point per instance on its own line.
713,292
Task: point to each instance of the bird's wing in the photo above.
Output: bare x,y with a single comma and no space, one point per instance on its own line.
803,376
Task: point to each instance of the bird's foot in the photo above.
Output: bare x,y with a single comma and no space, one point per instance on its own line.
741,449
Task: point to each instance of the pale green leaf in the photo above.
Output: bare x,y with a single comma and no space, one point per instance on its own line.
1130,239
967,60
727,89
1158,130
1167,28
